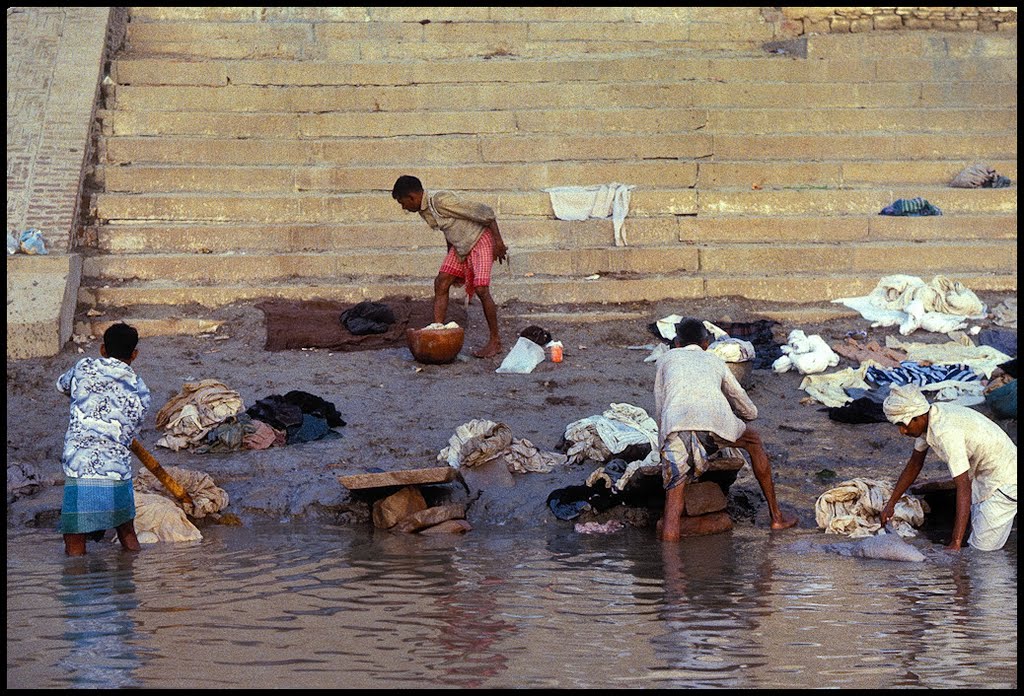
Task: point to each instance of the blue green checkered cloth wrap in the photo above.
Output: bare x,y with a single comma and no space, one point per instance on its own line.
94,504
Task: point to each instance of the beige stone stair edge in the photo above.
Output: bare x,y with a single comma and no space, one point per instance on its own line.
218,72
795,289
719,175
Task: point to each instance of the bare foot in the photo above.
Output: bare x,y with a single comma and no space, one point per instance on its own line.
784,522
491,349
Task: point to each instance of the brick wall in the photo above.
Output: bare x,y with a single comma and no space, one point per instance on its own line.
825,20
54,60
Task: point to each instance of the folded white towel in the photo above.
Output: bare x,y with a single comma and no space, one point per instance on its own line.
582,202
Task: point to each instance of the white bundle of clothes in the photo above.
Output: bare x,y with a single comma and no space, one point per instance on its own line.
853,507
808,354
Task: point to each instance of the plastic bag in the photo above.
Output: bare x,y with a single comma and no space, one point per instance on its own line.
524,356
32,242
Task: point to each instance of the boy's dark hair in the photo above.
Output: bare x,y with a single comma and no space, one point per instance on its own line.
405,185
120,341
691,331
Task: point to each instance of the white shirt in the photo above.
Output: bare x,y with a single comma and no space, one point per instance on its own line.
968,441
695,390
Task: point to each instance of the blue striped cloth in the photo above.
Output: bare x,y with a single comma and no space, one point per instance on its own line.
911,207
95,504
910,372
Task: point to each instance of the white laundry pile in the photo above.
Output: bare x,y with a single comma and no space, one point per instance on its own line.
599,437
853,507
941,306
808,354
583,202
480,441
724,346
160,517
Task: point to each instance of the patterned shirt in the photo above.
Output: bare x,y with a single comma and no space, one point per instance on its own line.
108,403
462,222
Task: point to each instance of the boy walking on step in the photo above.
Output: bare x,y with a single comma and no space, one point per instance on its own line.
108,403
474,244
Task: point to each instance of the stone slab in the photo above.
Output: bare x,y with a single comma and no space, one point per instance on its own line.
411,477
42,292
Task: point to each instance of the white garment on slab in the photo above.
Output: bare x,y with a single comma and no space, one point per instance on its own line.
582,202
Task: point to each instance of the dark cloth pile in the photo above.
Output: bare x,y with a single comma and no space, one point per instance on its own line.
304,417
315,323
368,318
758,333
538,335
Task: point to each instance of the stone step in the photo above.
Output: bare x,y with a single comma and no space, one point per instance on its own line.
475,149
914,45
139,71
504,97
447,14
526,233
793,288
996,256
360,207
186,178
720,121
143,36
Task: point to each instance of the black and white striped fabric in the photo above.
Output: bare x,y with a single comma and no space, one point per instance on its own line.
910,372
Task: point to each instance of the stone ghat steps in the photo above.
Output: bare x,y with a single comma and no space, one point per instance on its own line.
274,125
495,149
315,207
520,233
564,69
703,175
554,95
125,298
867,258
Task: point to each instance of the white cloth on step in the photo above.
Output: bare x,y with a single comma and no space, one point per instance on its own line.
603,201
890,302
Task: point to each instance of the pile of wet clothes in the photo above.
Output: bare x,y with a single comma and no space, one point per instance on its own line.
301,416
910,207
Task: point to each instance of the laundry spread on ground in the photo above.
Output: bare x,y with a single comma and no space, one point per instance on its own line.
853,350
853,508
583,202
941,306
983,359
292,325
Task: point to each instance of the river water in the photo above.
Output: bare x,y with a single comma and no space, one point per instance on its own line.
294,607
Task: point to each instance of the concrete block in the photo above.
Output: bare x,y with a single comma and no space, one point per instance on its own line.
42,292
150,71
782,260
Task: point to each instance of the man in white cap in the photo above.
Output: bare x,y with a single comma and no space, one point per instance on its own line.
981,458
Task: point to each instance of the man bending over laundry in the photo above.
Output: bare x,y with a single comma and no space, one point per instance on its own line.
701,407
981,458
474,244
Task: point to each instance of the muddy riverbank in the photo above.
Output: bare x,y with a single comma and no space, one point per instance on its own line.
399,413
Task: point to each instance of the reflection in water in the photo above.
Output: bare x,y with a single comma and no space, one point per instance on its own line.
97,592
284,607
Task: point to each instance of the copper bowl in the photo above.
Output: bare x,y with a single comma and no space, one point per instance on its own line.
435,346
